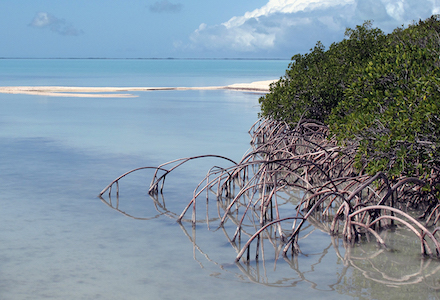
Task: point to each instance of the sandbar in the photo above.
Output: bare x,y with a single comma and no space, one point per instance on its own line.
123,92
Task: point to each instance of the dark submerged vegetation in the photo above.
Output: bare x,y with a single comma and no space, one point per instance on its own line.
352,131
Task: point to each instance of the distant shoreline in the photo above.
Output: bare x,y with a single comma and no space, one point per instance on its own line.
114,92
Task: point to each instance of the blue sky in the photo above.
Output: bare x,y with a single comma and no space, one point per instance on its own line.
190,28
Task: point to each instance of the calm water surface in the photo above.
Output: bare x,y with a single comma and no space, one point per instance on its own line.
59,240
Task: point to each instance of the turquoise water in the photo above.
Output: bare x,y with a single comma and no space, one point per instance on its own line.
59,240
137,72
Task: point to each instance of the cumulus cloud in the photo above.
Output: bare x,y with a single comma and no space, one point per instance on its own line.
60,26
296,25
164,6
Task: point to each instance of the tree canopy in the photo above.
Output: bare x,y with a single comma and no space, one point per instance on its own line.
378,91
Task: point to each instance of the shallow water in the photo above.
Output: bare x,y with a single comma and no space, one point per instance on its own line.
59,240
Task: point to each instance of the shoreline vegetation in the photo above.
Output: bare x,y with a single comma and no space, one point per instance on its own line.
349,138
109,92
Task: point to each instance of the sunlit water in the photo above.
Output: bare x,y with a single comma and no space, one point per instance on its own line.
59,240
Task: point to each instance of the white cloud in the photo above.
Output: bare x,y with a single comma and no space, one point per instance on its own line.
41,20
395,10
286,7
60,26
290,26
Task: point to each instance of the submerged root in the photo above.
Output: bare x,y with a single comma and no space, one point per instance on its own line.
255,193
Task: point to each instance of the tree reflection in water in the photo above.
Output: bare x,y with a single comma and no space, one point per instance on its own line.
360,266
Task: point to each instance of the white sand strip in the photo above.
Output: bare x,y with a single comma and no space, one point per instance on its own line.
109,92
257,86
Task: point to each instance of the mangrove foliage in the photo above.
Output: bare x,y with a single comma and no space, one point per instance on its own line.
379,91
348,143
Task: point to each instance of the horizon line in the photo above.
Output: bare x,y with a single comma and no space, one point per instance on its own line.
147,58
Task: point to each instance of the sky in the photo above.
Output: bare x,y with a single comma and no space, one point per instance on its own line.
190,28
